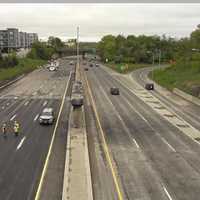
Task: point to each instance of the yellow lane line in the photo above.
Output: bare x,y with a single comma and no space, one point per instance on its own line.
38,193
106,149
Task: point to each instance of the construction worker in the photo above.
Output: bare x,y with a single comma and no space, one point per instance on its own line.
16,128
4,129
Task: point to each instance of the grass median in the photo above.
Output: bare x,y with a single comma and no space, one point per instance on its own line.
24,66
183,75
125,68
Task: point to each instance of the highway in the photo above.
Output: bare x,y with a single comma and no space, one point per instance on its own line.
22,158
153,141
142,144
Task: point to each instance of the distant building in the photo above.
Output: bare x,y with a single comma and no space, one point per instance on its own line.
3,39
22,39
11,38
33,37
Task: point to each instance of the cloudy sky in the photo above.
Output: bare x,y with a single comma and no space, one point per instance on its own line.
96,20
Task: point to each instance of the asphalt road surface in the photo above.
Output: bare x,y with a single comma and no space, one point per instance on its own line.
22,158
154,154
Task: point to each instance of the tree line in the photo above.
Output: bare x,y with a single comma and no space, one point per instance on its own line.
39,51
149,49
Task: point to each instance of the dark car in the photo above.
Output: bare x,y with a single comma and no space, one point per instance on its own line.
149,86
114,91
86,69
91,65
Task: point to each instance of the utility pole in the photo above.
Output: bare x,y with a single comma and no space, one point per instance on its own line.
77,67
77,46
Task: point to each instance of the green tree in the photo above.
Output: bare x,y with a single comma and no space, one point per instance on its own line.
40,50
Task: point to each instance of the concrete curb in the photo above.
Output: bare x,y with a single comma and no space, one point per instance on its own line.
68,181
67,161
11,82
87,160
186,96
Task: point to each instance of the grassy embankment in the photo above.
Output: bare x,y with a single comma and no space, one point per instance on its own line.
185,76
24,66
124,68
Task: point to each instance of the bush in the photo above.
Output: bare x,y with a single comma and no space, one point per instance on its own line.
41,51
9,61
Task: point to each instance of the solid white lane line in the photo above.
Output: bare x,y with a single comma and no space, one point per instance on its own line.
36,117
45,103
13,117
21,142
140,115
137,145
169,145
167,193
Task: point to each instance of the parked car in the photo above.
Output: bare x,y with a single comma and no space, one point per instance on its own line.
91,65
149,86
97,65
114,91
47,116
86,69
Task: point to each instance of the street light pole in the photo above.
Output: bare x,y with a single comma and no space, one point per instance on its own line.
77,46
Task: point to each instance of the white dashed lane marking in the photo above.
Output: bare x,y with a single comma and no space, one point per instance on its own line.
137,145
26,103
45,103
13,117
167,193
21,143
36,117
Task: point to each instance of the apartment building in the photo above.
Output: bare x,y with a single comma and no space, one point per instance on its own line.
11,38
32,38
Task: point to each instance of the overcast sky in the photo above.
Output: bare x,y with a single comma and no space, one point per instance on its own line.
96,20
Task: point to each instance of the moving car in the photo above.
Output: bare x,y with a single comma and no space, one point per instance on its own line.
97,65
71,62
149,86
114,91
47,116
